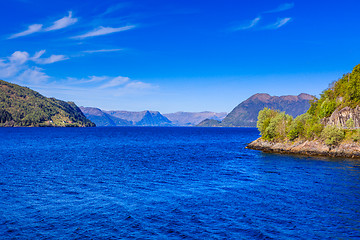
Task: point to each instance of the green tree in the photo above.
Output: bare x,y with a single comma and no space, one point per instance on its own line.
332,135
264,118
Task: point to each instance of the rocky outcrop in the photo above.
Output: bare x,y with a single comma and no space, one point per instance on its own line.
317,148
340,116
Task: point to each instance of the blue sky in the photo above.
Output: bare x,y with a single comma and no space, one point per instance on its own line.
176,55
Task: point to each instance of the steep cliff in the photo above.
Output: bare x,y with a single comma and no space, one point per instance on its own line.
341,115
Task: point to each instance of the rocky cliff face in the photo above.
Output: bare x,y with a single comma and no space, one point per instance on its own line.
340,116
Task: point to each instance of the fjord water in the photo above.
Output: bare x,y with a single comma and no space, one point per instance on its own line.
169,183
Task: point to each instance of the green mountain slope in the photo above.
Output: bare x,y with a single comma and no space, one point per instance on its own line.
21,106
332,118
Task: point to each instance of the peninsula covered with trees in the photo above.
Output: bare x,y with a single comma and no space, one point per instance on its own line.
331,126
23,107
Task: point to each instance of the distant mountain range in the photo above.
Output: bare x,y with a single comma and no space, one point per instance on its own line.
147,118
125,118
21,106
245,114
193,118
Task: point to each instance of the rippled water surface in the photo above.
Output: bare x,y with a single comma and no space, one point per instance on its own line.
169,183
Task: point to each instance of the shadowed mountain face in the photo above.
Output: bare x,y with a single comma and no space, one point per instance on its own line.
96,115
245,114
125,118
193,118
21,106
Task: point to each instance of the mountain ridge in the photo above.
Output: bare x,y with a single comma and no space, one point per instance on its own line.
125,118
245,114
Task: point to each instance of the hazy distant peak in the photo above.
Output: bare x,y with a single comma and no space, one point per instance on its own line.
92,111
306,96
260,96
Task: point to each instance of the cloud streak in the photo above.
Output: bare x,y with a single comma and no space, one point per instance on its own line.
62,23
281,8
52,59
279,23
115,82
103,31
59,24
31,29
103,50
252,24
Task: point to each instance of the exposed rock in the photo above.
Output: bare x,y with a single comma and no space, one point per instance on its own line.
348,150
340,116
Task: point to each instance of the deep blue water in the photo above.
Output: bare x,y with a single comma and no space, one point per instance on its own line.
169,183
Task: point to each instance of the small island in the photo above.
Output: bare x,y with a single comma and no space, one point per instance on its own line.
331,126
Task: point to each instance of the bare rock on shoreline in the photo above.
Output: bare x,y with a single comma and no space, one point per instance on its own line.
348,150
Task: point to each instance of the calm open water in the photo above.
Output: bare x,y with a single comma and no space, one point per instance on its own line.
169,183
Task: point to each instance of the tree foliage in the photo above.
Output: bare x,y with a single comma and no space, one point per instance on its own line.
21,106
332,135
345,92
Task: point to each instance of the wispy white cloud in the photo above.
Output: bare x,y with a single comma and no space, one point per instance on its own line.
139,85
249,25
103,31
19,57
103,50
19,66
38,54
106,83
31,29
33,75
279,23
62,23
52,59
281,8
114,8
59,24
115,82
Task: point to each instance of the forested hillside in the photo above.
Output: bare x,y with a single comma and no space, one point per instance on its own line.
332,118
21,106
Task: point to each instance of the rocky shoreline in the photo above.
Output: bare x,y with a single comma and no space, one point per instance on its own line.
313,148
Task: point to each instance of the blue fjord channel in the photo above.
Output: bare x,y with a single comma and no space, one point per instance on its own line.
169,183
